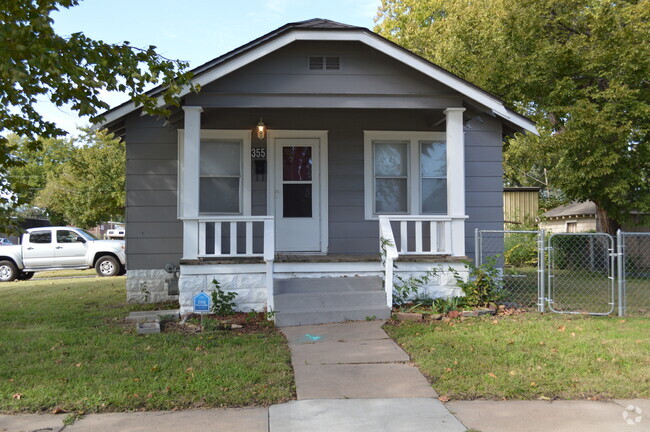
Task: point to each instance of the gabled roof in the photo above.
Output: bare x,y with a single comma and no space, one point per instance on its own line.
587,208
326,30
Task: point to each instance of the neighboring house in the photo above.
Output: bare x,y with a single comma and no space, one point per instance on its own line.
298,147
571,218
520,206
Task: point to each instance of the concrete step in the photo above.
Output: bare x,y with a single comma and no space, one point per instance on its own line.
328,300
322,316
327,284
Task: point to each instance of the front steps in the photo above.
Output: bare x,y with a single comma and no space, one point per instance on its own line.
303,301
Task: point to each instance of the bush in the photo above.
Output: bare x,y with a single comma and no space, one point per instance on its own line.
222,301
484,285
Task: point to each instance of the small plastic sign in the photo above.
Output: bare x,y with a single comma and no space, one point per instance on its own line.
201,302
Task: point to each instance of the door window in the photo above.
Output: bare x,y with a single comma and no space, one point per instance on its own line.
66,236
40,237
297,181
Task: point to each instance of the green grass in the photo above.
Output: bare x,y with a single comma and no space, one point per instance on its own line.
64,346
64,273
532,356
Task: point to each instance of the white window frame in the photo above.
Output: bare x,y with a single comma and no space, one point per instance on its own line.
414,200
244,136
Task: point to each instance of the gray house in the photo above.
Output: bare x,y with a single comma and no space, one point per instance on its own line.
312,160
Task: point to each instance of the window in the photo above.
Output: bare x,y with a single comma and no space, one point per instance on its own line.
40,237
66,236
405,173
220,176
224,172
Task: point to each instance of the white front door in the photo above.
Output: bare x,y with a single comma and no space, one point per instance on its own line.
297,194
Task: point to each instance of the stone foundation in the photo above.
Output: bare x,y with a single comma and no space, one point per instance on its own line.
147,286
250,289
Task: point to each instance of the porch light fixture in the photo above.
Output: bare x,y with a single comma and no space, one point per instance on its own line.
261,130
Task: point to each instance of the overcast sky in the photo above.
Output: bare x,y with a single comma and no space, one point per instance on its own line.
193,30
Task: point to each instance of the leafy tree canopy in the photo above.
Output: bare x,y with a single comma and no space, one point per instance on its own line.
89,188
36,63
580,68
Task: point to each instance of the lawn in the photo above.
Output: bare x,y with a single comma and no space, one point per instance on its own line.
532,356
64,347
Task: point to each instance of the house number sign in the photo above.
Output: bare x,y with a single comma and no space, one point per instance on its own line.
258,153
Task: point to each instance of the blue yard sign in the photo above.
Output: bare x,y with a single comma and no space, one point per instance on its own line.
201,302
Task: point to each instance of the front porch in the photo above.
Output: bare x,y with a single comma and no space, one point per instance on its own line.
239,252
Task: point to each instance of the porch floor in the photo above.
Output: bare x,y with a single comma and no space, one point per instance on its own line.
329,258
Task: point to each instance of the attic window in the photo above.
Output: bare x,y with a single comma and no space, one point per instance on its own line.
330,63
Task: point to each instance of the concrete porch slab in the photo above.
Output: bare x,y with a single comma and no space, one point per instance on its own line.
370,351
335,332
395,415
233,419
347,381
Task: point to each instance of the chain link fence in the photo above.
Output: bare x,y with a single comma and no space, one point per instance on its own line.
517,254
634,268
581,273
588,273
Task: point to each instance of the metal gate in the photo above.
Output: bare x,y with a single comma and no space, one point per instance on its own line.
581,273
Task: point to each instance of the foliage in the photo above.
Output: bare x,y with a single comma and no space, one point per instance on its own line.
445,305
520,249
28,178
222,301
483,286
577,67
73,70
410,287
89,188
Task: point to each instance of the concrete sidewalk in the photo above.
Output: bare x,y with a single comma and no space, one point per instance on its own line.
353,377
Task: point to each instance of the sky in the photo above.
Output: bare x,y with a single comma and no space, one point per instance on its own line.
192,30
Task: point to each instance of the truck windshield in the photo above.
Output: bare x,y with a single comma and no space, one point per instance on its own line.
88,235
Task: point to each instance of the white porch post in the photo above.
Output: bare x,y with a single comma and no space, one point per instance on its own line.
190,183
456,178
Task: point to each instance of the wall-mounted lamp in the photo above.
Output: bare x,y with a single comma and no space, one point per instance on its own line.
261,130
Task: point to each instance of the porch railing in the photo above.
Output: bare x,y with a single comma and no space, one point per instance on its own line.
234,237
418,235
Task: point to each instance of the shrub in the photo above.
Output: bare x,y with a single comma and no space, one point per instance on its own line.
222,301
484,284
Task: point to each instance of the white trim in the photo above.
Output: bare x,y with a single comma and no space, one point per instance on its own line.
413,182
322,136
365,37
245,192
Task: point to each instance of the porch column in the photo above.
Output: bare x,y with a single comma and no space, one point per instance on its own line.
190,181
456,178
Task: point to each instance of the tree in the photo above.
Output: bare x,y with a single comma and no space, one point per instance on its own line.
29,177
577,67
35,62
89,188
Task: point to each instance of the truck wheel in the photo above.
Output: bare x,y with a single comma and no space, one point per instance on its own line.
107,266
25,275
8,271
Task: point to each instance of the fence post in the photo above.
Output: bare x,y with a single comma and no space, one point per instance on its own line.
541,269
477,248
620,255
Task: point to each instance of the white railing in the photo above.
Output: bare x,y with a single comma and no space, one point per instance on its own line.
225,231
419,235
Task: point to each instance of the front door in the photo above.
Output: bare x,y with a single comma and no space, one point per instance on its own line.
70,250
297,194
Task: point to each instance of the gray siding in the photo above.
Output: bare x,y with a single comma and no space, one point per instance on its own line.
367,79
371,92
154,235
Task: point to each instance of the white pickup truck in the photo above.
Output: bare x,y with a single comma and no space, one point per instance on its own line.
59,248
